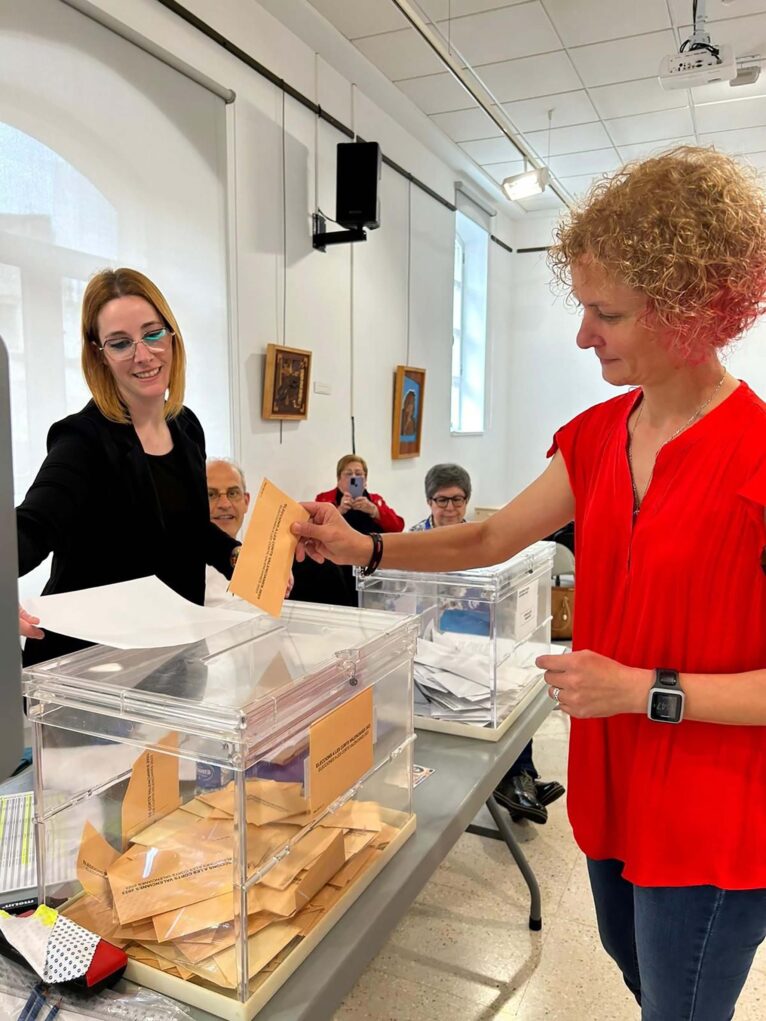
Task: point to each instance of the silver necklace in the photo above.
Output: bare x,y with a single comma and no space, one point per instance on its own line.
684,427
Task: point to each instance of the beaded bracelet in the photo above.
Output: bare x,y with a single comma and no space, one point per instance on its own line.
377,555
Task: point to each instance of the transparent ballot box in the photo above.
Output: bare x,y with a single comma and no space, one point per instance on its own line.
214,808
480,634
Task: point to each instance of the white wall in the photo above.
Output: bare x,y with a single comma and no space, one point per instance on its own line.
301,457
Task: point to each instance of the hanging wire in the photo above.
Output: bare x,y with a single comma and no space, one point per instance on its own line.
316,133
409,263
284,240
351,302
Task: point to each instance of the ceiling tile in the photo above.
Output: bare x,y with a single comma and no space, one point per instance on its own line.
721,92
574,139
536,203
648,127
714,10
641,150
600,161
643,96
580,184
735,142
436,93
510,32
755,159
499,171
745,113
441,9
491,150
400,54
621,61
568,108
362,17
745,34
466,125
531,76
590,21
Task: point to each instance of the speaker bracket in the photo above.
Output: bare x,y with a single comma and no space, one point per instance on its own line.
321,237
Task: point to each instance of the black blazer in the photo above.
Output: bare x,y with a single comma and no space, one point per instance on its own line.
94,505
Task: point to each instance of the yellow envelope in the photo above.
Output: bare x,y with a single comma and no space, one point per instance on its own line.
266,557
94,858
354,868
153,789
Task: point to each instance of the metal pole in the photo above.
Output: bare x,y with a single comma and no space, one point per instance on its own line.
11,727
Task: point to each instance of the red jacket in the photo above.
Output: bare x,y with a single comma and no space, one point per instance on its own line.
388,520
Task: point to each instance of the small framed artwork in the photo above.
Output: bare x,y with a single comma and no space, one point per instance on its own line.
409,390
286,381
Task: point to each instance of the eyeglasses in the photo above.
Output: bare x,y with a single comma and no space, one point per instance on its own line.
121,349
232,494
443,501
352,475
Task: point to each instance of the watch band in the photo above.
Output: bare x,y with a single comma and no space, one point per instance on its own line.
664,678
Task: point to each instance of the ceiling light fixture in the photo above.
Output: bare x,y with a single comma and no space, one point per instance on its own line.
530,182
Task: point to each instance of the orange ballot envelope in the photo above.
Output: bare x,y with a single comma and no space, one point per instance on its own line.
266,558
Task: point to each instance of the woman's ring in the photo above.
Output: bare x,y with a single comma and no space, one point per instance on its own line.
555,695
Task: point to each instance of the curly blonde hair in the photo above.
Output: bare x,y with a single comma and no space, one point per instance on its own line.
687,228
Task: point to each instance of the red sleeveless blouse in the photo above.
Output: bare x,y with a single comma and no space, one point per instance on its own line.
681,587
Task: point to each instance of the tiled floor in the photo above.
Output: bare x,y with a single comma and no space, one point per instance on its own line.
464,952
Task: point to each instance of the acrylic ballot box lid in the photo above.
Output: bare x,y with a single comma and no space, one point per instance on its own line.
486,583
227,697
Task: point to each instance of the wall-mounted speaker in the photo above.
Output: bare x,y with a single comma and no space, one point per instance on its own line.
356,196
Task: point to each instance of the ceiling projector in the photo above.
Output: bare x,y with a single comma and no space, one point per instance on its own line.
694,67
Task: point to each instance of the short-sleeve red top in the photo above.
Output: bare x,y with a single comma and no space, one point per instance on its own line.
681,587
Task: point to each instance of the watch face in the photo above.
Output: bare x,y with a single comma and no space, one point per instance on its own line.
666,706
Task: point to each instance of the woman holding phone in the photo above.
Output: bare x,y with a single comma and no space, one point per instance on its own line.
365,512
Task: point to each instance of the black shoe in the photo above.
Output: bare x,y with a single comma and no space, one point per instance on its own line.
518,795
548,791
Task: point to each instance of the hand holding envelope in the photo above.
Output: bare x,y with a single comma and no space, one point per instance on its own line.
263,571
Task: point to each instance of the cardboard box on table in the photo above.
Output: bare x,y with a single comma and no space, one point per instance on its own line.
481,632
216,807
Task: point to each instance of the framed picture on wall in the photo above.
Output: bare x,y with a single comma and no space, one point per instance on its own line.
286,380
407,429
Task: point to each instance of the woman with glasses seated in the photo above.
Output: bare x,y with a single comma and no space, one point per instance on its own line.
448,490
364,511
122,491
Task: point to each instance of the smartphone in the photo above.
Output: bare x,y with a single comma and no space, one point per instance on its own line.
356,485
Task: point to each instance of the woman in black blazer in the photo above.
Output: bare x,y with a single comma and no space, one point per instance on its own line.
122,492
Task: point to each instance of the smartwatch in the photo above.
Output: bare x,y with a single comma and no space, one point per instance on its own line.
666,700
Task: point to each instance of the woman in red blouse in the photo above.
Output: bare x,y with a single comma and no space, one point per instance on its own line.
666,685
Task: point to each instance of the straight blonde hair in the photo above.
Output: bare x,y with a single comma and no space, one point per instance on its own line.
103,288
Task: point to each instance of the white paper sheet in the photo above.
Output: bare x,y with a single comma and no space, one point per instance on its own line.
139,614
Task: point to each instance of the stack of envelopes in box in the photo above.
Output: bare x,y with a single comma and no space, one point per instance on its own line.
169,898
456,679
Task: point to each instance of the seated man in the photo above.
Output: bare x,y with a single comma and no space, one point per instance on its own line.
521,791
229,499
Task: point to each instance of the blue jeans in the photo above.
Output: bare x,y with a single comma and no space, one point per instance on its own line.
684,951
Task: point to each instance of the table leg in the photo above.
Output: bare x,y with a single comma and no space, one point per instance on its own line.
505,833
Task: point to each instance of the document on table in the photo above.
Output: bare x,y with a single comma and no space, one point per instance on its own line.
18,863
139,614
